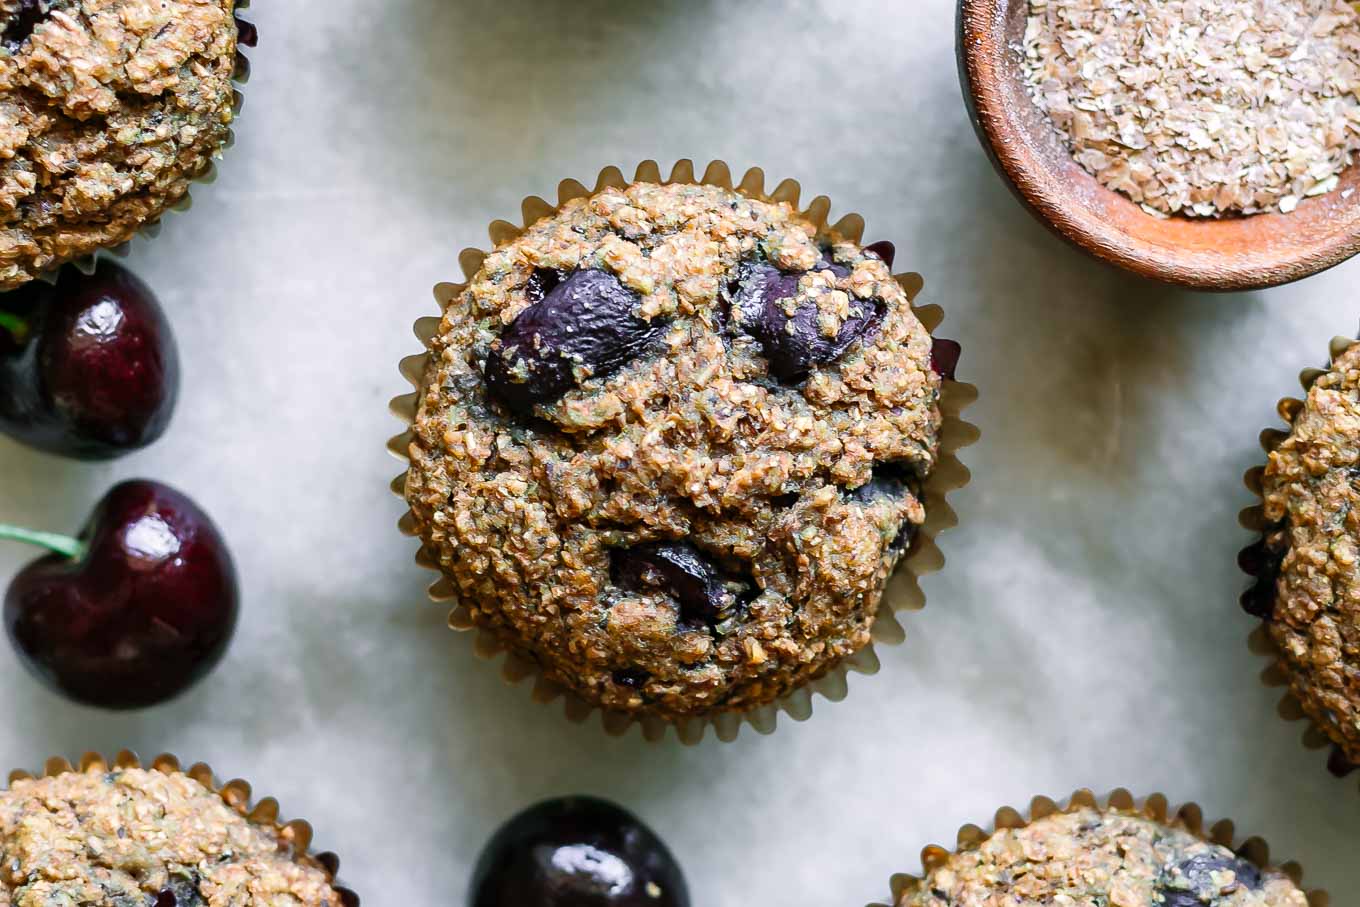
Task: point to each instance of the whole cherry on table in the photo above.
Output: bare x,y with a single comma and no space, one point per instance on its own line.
88,365
577,852
133,611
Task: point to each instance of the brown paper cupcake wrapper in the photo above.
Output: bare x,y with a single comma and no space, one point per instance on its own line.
1252,562
294,835
1155,807
902,591
151,229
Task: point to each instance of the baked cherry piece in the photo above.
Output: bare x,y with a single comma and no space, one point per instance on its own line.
892,481
577,852
883,250
795,344
944,358
584,324
88,368
1195,881
704,595
134,611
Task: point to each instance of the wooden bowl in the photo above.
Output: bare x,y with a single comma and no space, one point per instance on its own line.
1238,253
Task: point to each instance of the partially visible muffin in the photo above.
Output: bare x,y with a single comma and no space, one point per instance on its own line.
1094,858
124,837
671,443
1308,587
108,110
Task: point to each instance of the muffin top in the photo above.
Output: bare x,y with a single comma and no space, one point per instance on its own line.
1089,858
131,836
671,443
1312,499
108,109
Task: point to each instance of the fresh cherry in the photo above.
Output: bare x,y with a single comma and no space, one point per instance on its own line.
577,852
88,367
134,611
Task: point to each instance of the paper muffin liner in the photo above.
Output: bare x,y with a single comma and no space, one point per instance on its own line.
295,835
246,36
902,591
1155,807
1254,561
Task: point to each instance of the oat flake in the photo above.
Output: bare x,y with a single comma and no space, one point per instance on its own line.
1202,107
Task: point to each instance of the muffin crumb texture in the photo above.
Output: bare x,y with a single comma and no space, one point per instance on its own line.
142,837
1312,498
672,443
1090,858
108,110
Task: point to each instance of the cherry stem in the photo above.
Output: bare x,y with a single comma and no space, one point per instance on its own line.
61,544
17,327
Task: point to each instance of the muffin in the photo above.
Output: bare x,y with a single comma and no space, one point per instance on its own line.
669,444
1093,857
1307,588
112,837
108,110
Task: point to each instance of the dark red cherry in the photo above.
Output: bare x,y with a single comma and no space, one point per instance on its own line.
88,368
134,611
577,852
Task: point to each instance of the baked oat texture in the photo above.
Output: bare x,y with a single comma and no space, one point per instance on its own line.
108,110
127,837
691,440
1092,858
1312,491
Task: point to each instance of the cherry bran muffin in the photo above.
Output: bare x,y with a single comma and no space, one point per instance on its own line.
105,838
1095,858
1308,587
108,110
671,444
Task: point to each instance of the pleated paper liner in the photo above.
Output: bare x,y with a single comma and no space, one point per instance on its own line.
247,35
1155,807
1255,560
902,592
294,835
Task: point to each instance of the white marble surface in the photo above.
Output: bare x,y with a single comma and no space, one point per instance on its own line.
1084,632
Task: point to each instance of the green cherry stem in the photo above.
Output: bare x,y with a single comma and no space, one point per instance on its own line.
61,544
17,327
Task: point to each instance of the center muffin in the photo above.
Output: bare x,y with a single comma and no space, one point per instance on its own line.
670,445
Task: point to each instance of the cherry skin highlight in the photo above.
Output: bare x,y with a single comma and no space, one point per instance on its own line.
88,367
577,852
140,607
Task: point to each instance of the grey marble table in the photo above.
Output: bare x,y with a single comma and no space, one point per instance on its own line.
1083,633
